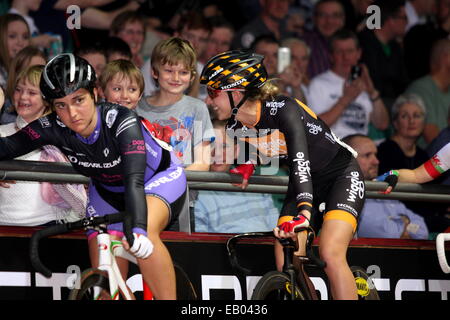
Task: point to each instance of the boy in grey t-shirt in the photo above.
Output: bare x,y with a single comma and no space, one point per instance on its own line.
180,120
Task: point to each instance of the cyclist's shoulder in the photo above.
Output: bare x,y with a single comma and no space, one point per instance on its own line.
113,114
290,108
48,123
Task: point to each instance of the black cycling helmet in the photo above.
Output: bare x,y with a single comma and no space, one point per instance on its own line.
236,69
65,74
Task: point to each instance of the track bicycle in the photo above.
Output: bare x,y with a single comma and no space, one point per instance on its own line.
104,282
294,283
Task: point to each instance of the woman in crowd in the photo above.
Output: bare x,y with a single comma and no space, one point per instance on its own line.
14,36
25,58
27,203
401,150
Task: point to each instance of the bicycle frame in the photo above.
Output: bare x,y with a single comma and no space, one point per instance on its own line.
107,251
293,265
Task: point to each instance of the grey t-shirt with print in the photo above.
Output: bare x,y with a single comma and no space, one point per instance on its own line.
183,124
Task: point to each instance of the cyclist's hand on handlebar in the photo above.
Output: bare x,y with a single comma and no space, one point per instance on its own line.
142,246
391,177
246,170
287,229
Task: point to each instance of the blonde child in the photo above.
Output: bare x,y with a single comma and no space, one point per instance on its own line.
180,120
122,82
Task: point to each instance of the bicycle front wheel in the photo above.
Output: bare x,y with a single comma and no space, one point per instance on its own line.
364,285
185,289
276,285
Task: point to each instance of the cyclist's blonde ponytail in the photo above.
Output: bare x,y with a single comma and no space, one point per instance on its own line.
267,92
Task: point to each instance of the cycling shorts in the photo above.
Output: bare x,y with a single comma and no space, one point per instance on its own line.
168,186
340,186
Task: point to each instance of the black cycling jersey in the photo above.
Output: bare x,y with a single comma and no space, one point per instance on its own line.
114,154
288,129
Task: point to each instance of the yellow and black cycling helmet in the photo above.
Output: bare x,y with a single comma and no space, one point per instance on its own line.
236,69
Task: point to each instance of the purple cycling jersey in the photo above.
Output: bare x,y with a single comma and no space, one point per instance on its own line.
116,155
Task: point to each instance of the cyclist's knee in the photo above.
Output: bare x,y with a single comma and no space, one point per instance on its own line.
334,256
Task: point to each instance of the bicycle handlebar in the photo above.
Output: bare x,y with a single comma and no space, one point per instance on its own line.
232,251
62,229
231,243
440,248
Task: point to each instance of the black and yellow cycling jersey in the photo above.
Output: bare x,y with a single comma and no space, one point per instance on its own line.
321,167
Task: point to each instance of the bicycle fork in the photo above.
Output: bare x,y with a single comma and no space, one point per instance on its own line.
106,263
119,251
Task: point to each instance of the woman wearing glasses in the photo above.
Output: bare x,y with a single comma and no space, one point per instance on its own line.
401,149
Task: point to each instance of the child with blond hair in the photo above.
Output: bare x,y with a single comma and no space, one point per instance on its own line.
122,82
180,120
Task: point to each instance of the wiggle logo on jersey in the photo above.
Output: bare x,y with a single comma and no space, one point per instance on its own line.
314,128
303,169
356,187
274,106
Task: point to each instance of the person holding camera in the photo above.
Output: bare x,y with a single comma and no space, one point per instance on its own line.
344,96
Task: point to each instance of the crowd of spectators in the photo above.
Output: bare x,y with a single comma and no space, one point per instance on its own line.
387,84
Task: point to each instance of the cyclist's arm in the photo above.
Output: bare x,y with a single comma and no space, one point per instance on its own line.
22,142
292,126
430,170
133,155
418,175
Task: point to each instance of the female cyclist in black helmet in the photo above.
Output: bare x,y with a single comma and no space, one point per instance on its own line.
130,170
321,167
